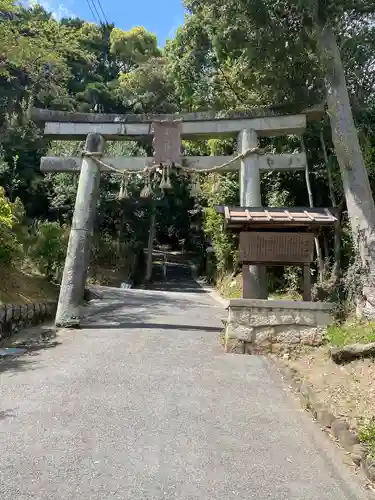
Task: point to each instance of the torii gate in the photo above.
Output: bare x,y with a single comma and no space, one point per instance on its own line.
96,128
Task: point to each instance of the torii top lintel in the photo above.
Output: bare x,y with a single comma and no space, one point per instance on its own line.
265,121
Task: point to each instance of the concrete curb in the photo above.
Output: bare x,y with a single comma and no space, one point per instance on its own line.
209,289
336,427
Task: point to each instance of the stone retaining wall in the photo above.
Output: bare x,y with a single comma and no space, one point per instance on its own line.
274,326
13,317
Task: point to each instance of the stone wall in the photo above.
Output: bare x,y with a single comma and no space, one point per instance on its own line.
274,326
13,317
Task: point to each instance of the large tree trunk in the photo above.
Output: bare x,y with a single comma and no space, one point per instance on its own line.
359,200
331,186
336,269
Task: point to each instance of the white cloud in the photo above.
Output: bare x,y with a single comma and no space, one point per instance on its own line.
57,9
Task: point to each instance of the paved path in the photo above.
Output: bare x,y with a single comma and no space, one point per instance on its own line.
143,404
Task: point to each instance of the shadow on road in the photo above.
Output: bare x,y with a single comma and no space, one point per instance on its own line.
152,326
126,309
178,279
26,361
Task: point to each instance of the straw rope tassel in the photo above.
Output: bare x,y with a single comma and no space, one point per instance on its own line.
195,189
147,190
124,187
168,180
163,182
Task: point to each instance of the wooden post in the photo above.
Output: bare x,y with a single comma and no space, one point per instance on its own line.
254,277
79,246
165,265
151,236
306,282
311,203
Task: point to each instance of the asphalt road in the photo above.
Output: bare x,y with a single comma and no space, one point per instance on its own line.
142,404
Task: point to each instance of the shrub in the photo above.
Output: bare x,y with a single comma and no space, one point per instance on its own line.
48,248
10,215
367,436
104,251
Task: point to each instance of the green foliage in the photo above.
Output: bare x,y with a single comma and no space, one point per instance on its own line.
48,244
217,189
272,38
148,88
10,217
133,47
6,212
351,332
366,435
223,243
104,251
230,286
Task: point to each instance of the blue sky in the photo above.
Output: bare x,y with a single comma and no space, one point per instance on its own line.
161,17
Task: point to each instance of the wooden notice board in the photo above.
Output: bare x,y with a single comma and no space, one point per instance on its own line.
276,248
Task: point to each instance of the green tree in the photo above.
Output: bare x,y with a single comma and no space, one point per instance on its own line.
296,40
10,216
133,47
47,248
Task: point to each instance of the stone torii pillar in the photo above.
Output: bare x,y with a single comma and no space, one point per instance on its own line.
254,277
79,246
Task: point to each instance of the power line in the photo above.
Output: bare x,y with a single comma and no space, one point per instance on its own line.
96,10
92,12
101,8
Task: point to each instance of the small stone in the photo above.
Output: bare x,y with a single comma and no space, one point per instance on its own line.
358,453
286,319
305,318
277,348
318,337
287,334
307,392
24,311
234,346
264,348
325,417
263,334
350,352
31,313
338,427
368,466
240,332
348,439
296,383
316,407
2,313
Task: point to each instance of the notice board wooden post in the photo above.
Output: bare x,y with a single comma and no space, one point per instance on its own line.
306,282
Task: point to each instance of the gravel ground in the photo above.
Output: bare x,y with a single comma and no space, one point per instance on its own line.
349,390
142,404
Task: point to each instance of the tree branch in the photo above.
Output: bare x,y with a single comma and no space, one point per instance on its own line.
230,86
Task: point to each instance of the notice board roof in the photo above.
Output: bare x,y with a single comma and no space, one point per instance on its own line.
243,218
